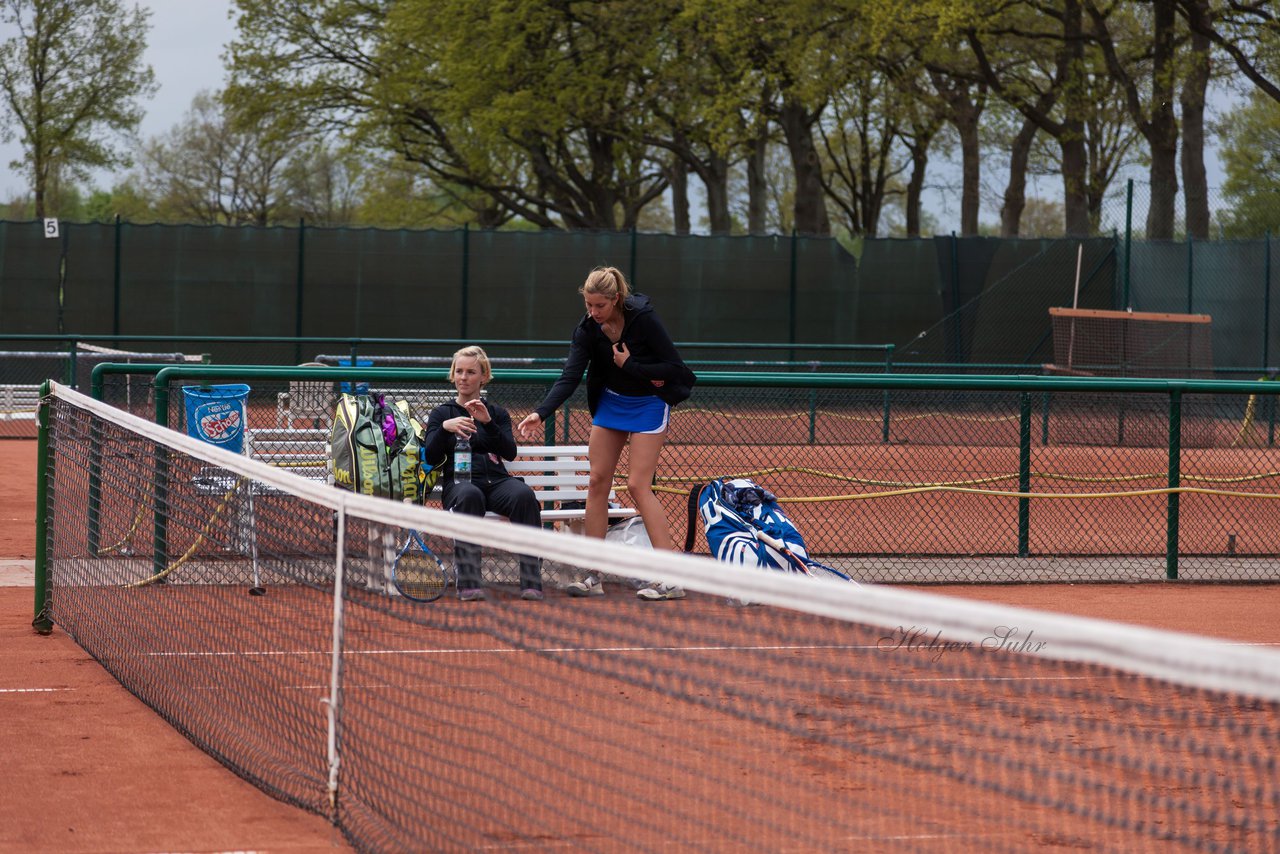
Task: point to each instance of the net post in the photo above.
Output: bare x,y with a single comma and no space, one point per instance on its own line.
42,623
1024,474
1175,456
160,501
95,485
334,700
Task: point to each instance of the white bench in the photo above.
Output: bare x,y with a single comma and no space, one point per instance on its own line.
559,473
556,473
19,402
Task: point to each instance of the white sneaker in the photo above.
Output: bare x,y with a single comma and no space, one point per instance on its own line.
589,586
658,592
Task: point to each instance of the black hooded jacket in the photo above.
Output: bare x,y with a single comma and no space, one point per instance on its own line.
492,443
652,357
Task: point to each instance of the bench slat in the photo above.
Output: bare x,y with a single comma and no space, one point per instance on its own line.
556,473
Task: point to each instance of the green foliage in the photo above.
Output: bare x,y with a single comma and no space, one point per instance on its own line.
71,78
1251,160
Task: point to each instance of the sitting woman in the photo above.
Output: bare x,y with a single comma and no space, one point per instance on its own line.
489,486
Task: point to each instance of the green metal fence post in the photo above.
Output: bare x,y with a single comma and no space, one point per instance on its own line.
73,356
1024,475
1128,239
298,288
1175,479
1044,418
1266,301
115,283
1266,338
634,280
1190,274
955,349
884,418
42,622
813,414
466,277
791,297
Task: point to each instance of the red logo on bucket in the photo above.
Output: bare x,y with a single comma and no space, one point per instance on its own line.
220,426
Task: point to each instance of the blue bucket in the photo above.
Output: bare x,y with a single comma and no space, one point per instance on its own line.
216,414
360,388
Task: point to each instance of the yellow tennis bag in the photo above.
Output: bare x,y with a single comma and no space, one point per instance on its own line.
375,448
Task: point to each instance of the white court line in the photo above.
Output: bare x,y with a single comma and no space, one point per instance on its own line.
33,690
508,651
557,649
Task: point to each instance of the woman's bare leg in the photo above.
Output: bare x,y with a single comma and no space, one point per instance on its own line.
603,451
645,448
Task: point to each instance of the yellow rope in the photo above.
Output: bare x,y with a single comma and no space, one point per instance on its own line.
204,532
299,464
780,416
1250,410
1069,478
870,419
905,488
137,520
1180,490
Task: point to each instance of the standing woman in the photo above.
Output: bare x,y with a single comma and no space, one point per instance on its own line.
634,377
487,427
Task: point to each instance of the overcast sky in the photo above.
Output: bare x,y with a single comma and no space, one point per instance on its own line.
184,48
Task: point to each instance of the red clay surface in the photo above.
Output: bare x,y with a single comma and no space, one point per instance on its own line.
91,769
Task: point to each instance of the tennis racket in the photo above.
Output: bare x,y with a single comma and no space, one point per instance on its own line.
807,566
417,573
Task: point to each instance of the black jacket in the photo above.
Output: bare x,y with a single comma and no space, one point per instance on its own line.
492,438
653,357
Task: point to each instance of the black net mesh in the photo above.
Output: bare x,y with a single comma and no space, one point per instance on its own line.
258,613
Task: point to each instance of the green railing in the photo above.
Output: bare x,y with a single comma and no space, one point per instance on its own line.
358,348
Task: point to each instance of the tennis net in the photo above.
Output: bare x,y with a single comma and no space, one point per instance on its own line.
763,711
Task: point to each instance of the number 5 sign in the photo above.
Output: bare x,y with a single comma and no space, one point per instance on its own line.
51,227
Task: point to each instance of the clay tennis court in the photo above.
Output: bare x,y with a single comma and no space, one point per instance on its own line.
93,769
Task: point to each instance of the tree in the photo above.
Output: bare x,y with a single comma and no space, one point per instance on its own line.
1249,33
531,105
71,80
1154,119
858,134
1251,159
1060,28
321,185
208,170
1195,181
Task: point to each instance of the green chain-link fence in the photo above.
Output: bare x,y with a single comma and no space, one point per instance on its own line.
911,478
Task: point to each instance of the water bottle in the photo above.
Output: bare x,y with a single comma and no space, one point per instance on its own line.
462,459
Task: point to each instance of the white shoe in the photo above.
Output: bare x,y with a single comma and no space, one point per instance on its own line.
589,586
658,592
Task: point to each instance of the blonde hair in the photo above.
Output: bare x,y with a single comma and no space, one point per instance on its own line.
607,282
481,357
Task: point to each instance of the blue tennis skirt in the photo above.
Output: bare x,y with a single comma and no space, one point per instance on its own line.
647,414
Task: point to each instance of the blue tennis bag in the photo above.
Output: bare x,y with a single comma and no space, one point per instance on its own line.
745,525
